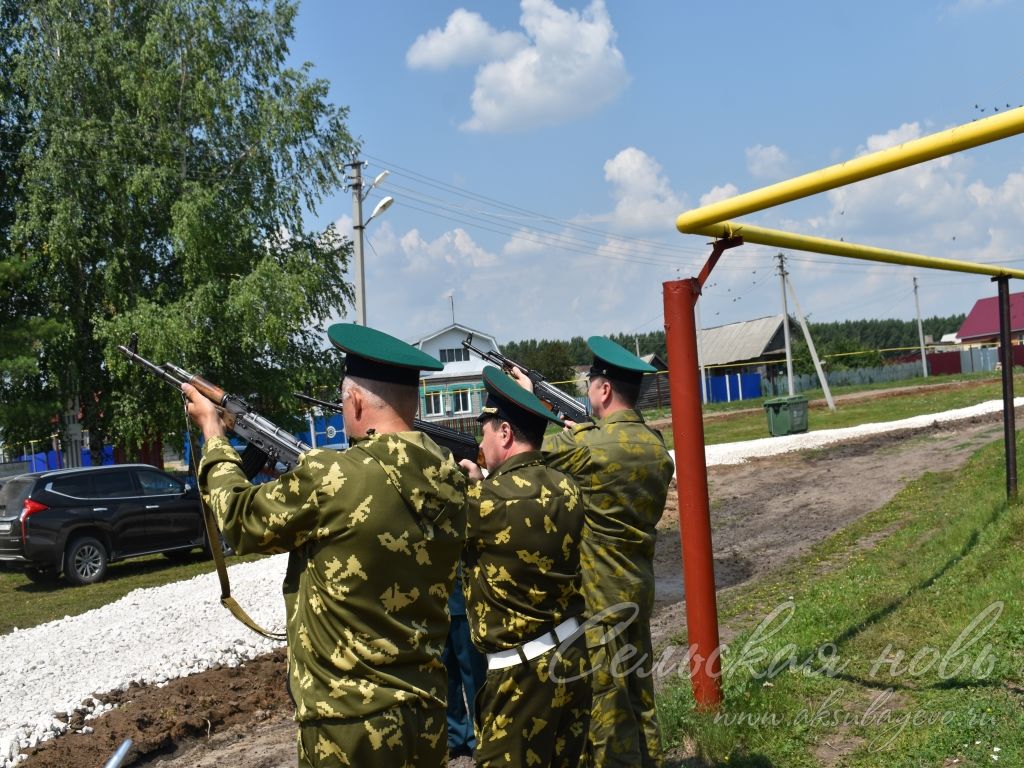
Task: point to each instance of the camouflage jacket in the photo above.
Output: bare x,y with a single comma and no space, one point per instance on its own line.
623,470
521,568
374,534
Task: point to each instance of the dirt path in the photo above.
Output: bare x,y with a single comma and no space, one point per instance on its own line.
764,513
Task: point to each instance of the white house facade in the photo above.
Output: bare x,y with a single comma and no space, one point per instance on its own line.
457,392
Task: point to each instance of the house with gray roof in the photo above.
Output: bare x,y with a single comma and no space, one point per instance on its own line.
747,345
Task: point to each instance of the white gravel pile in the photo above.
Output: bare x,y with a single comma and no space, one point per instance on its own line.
149,635
156,635
737,453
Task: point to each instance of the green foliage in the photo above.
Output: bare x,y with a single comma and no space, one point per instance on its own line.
833,341
166,157
552,358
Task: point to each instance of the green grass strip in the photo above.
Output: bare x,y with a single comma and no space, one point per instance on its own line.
898,642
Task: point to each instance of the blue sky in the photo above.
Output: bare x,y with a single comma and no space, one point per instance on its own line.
540,152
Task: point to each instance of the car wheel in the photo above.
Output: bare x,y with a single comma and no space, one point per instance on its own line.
41,575
85,561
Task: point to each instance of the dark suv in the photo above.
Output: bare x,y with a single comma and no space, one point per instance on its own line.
76,521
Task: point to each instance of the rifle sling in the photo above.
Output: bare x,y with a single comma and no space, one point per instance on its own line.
213,539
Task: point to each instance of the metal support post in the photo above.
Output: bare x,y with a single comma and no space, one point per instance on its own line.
692,482
1009,417
680,300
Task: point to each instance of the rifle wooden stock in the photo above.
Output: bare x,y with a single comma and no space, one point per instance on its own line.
266,441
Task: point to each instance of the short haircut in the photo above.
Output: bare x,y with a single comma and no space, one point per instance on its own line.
531,438
401,398
627,391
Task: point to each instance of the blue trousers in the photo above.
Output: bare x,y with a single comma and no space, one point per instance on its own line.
467,670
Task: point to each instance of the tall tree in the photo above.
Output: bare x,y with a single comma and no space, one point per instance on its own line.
169,159
24,324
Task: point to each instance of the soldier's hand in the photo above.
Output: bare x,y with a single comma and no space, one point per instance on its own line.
521,379
569,423
472,470
203,412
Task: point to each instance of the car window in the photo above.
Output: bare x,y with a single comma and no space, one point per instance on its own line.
157,483
78,486
13,494
112,485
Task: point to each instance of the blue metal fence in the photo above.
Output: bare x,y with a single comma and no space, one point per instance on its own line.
733,386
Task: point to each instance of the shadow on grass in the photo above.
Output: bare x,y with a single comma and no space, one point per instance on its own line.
126,569
883,613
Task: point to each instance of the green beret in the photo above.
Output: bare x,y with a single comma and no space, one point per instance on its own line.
373,354
508,401
616,362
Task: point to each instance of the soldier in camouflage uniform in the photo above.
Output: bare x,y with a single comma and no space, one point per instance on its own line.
623,470
521,571
374,534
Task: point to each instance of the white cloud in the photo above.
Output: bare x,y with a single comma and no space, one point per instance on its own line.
767,162
465,39
718,193
564,65
906,132
524,242
644,196
455,247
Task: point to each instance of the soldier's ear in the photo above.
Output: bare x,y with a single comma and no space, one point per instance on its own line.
355,402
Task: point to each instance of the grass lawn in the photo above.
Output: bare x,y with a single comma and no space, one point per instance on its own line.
897,642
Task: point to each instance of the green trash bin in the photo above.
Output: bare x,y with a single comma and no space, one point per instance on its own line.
786,415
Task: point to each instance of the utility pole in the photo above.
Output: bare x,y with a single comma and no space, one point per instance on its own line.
359,193
785,324
920,331
355,183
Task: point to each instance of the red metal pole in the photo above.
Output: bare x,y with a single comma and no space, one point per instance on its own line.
680,298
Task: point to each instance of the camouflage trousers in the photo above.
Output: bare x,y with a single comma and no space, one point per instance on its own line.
403,737
535,713
623,722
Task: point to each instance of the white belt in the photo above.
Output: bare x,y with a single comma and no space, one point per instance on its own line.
534,648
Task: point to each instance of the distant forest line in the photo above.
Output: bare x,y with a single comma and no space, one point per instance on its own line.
846,344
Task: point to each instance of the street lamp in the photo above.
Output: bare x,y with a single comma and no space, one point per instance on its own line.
359,193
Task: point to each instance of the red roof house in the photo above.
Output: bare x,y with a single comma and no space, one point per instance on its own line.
982,322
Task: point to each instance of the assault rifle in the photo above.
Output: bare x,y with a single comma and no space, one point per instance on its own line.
461,444
266,442
563,405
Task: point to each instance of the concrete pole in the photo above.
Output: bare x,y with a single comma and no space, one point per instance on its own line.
920,331
785,324
355,182
810,346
